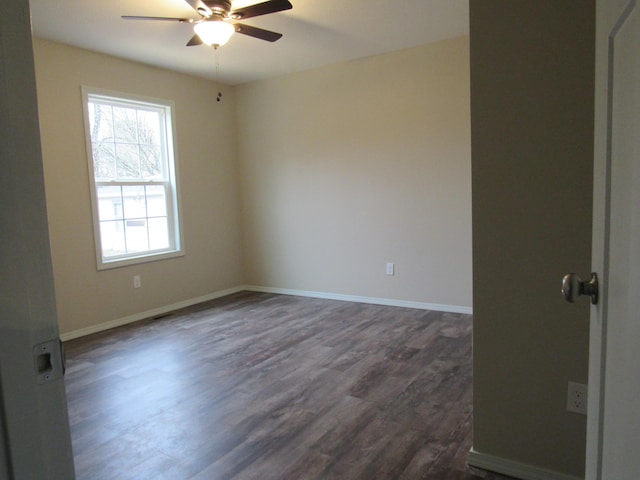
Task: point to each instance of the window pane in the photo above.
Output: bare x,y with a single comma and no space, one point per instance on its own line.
109,203
134,202
101,122
127,160
136,235
125,124
148,127
112,238
158,233
150,162
156,201
104,160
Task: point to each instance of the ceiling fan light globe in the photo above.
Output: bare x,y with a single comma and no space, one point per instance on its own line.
214,32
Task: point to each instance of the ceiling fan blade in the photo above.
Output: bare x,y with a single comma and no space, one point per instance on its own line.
195,40
260,33
166,19
270,6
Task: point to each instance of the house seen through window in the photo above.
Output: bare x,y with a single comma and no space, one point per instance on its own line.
133,178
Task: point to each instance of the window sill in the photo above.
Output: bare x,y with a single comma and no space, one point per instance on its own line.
145,258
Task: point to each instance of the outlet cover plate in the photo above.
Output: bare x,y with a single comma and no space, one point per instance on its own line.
577,398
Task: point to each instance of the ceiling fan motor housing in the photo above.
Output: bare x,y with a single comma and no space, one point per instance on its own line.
219,7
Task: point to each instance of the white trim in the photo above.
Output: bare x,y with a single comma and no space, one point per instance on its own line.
166,109
253,288
513,468
147,314
354,298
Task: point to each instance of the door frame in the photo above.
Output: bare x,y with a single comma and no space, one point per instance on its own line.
35,439
610,15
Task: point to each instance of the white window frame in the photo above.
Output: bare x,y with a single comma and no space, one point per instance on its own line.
170,183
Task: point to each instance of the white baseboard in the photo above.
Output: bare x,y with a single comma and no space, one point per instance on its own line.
514,469
147,314
354,298
253,288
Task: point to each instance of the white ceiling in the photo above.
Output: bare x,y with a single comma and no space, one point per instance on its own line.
316,33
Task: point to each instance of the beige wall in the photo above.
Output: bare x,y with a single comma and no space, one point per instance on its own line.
209,196
350,166
532,70
343,168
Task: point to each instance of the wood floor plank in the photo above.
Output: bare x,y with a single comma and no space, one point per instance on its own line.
263,386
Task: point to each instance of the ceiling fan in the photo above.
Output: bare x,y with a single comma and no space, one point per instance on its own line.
218,21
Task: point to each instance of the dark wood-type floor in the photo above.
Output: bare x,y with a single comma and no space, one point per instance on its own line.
261,386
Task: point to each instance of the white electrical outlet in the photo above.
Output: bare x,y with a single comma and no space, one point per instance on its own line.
390,268
136,281
577,398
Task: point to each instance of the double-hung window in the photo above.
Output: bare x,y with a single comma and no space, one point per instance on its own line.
133,178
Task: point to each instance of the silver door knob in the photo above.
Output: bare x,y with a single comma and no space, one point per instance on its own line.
573,287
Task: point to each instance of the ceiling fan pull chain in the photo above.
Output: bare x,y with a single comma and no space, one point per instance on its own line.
219,97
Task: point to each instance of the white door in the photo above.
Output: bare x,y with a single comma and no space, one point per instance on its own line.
34,430
613,425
